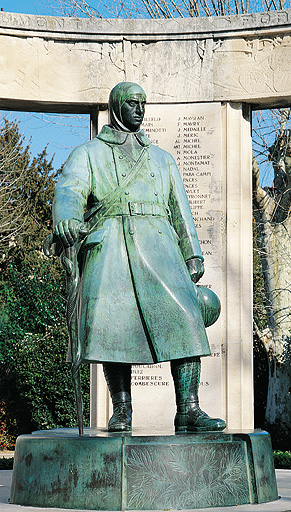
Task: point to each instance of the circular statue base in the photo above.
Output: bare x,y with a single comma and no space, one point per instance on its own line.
142,470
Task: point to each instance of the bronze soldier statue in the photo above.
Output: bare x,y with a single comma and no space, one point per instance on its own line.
138,301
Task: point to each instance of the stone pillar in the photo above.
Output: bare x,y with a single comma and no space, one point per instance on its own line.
211,143
237,162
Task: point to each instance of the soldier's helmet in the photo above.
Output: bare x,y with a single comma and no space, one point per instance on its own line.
209,304
118,96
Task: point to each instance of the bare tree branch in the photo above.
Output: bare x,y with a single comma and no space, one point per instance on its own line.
260,197
264,336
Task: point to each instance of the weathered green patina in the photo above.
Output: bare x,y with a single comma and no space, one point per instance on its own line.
138,303
103,471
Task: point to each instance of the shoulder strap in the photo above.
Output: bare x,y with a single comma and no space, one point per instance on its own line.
109,199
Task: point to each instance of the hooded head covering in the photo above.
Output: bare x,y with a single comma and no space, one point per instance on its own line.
119,95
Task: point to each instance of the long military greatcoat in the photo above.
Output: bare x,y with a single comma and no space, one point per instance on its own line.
137,301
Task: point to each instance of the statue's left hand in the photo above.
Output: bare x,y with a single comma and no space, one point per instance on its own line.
196,269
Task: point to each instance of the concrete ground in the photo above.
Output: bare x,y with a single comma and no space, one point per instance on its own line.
281,505
5,454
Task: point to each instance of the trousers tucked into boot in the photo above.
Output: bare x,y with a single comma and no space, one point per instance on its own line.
189,416
118,378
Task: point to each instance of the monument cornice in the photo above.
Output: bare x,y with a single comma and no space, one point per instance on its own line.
70,64
95,29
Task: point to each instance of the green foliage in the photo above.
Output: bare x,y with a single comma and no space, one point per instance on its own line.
27,188
282,460
6,463
7,427
259,307
35,381
35,385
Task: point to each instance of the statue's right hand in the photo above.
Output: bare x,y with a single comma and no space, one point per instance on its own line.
69,231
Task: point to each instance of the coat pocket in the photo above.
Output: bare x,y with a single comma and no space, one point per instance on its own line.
94,239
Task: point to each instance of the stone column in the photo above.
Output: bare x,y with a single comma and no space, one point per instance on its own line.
238,271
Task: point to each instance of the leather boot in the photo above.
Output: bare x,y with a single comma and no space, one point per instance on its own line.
118,378
189,416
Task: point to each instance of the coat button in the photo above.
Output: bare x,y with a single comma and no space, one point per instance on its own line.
123,174
126,192
160,231
156,193
131,232
152,174
121,157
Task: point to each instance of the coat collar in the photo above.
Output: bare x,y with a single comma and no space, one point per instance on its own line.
112,136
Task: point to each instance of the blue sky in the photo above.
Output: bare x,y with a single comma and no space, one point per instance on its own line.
26,6
61,132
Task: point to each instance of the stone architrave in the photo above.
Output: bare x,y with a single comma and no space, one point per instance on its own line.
51,63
